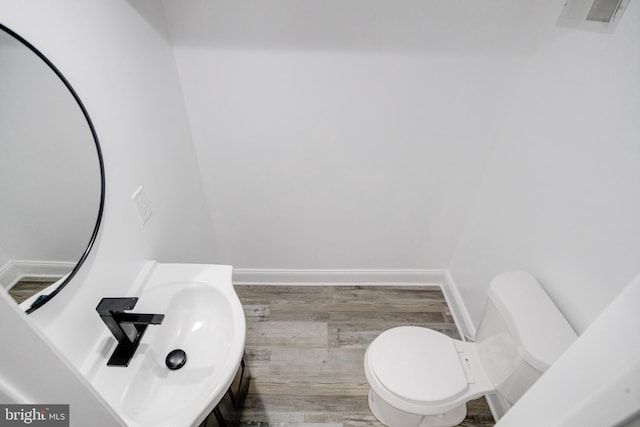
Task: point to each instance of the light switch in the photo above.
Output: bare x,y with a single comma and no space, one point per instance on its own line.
142,204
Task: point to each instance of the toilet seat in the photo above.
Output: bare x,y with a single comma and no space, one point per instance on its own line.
423,371
418,364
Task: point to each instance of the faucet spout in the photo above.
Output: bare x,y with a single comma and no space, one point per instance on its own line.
127,328
139,318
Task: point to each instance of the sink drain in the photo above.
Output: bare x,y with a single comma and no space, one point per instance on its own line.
176,359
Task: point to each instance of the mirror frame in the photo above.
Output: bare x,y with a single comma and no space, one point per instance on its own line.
43,300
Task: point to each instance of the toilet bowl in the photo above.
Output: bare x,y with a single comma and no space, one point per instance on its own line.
419,377
422,375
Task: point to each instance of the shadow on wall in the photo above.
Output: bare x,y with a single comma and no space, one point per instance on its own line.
439,26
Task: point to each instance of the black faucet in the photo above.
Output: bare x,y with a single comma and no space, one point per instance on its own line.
128,328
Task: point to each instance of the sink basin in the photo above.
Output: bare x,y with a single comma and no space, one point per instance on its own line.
203,317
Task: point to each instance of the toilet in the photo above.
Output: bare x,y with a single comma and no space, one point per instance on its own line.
419,377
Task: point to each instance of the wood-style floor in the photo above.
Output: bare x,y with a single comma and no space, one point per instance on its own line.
29,286
305,350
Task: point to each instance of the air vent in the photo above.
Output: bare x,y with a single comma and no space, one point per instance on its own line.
594,15
603,10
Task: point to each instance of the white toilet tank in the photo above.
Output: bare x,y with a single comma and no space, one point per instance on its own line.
521,333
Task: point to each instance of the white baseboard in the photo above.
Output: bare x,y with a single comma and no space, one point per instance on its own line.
14,271
458,308
441,278
497,405
245,276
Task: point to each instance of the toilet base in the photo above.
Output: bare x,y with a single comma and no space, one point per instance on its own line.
394,417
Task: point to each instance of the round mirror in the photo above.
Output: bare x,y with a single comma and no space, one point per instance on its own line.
51,175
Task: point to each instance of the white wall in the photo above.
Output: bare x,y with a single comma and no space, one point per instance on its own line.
4,258
560,196
344,135
474,137
34,372
119,61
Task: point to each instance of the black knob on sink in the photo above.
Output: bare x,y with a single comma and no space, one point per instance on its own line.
176,359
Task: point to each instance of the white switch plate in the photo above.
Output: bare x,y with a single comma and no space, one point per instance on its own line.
142,204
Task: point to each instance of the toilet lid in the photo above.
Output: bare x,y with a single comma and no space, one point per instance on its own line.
417,364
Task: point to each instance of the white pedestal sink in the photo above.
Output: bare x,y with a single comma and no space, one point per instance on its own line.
203,317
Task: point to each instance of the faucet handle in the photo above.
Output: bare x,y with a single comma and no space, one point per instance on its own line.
108,306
